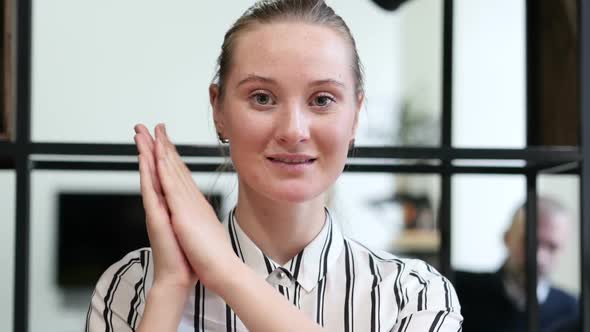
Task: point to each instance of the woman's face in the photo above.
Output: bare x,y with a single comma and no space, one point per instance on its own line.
289,109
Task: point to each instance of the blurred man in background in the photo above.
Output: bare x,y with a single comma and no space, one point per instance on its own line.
497,301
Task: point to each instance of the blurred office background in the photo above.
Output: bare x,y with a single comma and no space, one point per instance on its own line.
99,67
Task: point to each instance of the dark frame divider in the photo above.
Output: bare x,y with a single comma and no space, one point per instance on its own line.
25,156
584,93
533,76
444,215
23,172
532,302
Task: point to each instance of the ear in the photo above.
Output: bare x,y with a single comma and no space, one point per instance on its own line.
214,99
360,99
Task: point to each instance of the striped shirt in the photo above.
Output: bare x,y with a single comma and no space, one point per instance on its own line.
336,281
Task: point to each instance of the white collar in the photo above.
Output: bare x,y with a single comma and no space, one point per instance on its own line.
308,267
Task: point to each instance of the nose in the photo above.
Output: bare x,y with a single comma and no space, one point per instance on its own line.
544,260
292,125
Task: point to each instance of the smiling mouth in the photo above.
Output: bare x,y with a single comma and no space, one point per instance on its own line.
292,161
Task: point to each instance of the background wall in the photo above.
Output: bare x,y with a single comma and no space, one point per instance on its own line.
488,111
7,217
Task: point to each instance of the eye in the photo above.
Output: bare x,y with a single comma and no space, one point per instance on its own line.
322,100
262,98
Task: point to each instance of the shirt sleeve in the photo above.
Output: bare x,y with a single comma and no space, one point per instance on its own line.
118,300
430,301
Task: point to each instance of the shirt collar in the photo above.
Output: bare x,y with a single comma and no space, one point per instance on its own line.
308,267
517,294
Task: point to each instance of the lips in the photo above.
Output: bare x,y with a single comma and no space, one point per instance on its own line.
293,159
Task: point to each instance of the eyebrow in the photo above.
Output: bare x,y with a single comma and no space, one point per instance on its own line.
258,78
328,81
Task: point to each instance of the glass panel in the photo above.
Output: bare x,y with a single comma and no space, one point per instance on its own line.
559,245
89,76
489,83
7,215
99,67
403,69
489,251
480,220
395,213
58,301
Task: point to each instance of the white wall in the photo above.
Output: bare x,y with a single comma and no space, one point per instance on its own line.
489,74
481,210
99,67
488,111
7,228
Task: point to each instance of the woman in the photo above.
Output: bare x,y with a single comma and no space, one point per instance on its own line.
286,99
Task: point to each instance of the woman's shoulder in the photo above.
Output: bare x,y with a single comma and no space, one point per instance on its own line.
386,259
128,276
119,296
413,278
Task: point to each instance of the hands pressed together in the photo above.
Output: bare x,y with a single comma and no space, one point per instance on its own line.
188,242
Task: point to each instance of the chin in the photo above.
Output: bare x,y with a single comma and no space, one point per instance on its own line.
294,194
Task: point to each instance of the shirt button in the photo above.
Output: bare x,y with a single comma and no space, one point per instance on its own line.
281,275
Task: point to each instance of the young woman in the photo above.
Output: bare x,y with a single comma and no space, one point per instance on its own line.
286,99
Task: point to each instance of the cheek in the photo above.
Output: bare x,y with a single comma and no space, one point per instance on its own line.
248,128
517,251
336,133
334,147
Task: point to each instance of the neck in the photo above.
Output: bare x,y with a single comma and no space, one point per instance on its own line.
280,229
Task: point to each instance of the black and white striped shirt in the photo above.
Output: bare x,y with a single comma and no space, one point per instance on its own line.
339,283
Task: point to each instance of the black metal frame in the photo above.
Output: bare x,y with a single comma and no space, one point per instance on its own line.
533,76
25,156
23,172
584,93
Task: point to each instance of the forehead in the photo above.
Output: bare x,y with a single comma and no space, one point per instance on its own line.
549,225
553,224
292,50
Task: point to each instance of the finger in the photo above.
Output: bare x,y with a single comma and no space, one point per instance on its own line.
147,147
159,149
177,194
142,130
145,144
176,161
142,144
148,154
176,179
158,225
166,175
151,203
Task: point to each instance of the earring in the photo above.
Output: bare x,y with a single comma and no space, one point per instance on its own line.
351,144
222,139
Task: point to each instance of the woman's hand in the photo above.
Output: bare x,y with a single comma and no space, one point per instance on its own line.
171,269
201,236
204,242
